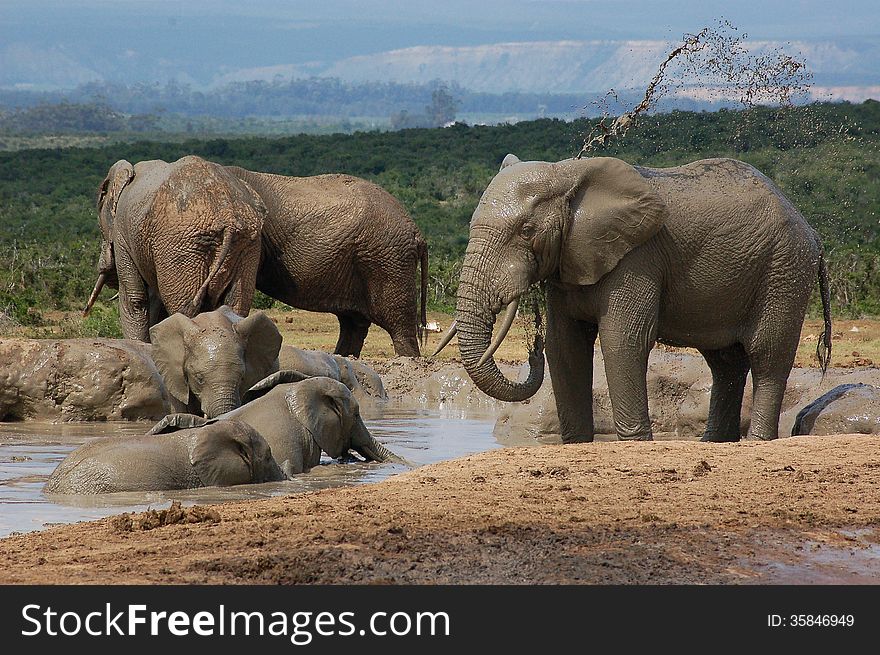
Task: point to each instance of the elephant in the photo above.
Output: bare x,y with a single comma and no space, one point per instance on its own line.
219,454
709,255
209,362
343,245
363,381
176,237
299,417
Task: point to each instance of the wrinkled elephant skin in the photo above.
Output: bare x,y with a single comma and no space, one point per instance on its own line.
343,245
177,237
708,255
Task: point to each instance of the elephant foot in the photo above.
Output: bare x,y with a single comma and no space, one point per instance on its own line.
636,437
577,438
719,438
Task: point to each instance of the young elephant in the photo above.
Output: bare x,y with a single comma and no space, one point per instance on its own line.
299,420
210,361
363,381
220,454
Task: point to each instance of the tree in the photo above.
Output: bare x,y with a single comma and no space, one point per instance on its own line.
443,107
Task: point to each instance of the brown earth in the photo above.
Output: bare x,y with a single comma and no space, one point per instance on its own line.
803,509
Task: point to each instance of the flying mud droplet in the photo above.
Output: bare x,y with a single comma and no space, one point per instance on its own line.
715,65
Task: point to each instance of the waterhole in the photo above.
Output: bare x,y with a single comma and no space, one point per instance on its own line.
29,452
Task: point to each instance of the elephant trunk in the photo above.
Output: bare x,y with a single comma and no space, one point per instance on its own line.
218,405
365,443
474,321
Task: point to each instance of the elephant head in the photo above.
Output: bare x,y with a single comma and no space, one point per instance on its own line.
332,415
570,222
119,176
231,452
209,362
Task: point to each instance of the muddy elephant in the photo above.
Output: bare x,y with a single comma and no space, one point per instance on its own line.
220,454
299,420
343,245
176,237
363,381
709,255
210,361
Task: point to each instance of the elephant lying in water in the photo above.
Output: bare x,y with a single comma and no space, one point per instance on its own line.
281,432
219,454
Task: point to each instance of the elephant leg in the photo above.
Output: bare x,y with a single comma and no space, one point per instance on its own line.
352,332
570,345
134,298
729,367
770,371
627,333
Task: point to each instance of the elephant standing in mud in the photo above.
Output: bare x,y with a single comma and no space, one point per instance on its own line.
709,255
209,362
343,245
176,237
280,432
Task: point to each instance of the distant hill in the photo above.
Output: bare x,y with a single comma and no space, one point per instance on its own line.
848,68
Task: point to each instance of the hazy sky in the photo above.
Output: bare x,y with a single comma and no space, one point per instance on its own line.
205,38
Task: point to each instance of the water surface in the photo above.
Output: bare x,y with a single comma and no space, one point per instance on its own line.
30,451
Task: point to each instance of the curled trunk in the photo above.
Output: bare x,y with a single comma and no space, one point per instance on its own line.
474,321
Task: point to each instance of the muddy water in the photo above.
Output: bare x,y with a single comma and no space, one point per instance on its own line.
29,452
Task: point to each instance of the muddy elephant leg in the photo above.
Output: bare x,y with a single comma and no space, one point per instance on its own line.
729,367
627,333
134,298
570,345
769,379
352,332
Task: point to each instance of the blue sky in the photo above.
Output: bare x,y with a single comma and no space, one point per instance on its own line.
205,38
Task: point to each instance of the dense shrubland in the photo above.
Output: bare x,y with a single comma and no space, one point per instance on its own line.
824,157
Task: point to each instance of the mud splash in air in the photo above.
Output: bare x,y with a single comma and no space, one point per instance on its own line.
713,64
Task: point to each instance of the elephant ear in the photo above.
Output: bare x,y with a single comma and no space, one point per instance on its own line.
169,353
271,381
223,454
119,175
262,342
610,209
327,409
509,160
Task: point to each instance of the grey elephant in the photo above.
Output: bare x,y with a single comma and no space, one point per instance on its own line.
709,255
209,362
220,454
343,245
363,381
280,432
299,416
176,237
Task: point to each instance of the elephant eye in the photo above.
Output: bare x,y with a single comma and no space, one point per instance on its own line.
527,231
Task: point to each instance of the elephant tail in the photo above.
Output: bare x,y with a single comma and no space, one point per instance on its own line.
823,346
423,260
216,265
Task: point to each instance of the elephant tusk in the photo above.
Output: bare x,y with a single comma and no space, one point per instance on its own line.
506,322
102,278
451,332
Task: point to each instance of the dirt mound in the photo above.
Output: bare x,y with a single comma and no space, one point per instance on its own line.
173,515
